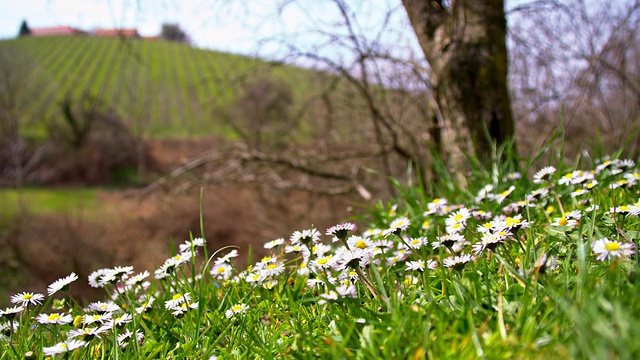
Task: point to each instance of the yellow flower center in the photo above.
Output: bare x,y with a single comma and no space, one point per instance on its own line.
54,317
563,221
271,266
220,270
322,261
236,308
612,246
511,221
457,217
177,296
360,244
27,296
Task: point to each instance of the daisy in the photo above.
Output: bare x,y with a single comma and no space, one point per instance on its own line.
87,333
95,278
397,226
606,248
483,193
146,306
61,284
227,258
515,223
236,309
103,307
418,265
490,240
499,198
54,318
138,279
274,243
457,262
11,312
188,245
177,300
351,258
124,338
88,319
120,321
359,242
417,243
331,295
347,291
438,206
564,221
410,280
272,270
341,230
181,309
447,240
222,271
372,233
305,236
324,262
27,298
63,347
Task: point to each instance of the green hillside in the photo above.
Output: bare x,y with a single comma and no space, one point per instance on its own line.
156,87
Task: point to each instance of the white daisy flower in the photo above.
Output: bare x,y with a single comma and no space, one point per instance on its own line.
397,226
606,248
359,242
418,265
11,312
27,298
305,237
146,306
103,307
88,319
63,347
96,276
341,231
274,243
222,271
177,300
227,258
195,244
138,279
124,338
457,262
54,318
61,284
272,270
236,309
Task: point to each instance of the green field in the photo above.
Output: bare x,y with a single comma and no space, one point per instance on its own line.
47,200
158,88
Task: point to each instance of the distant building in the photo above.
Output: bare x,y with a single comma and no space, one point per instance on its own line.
56,30
128,33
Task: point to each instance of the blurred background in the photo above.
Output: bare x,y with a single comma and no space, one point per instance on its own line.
120,120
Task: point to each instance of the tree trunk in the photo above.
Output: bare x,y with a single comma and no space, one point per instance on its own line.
465,46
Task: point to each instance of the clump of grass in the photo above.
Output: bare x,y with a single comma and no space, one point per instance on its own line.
512,266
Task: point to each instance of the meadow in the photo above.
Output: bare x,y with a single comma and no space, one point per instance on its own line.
157,88
533,258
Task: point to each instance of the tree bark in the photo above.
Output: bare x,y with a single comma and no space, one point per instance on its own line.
464,43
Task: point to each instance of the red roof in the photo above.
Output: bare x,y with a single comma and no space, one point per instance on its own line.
116,32
56,30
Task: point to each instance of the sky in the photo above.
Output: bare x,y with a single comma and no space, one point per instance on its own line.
236,26
212,24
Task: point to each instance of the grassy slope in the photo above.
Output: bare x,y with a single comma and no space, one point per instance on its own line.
160,88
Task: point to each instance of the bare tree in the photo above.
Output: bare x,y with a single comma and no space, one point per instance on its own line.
581,57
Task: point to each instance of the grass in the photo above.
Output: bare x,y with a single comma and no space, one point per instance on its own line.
181,88
503,268
37,201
